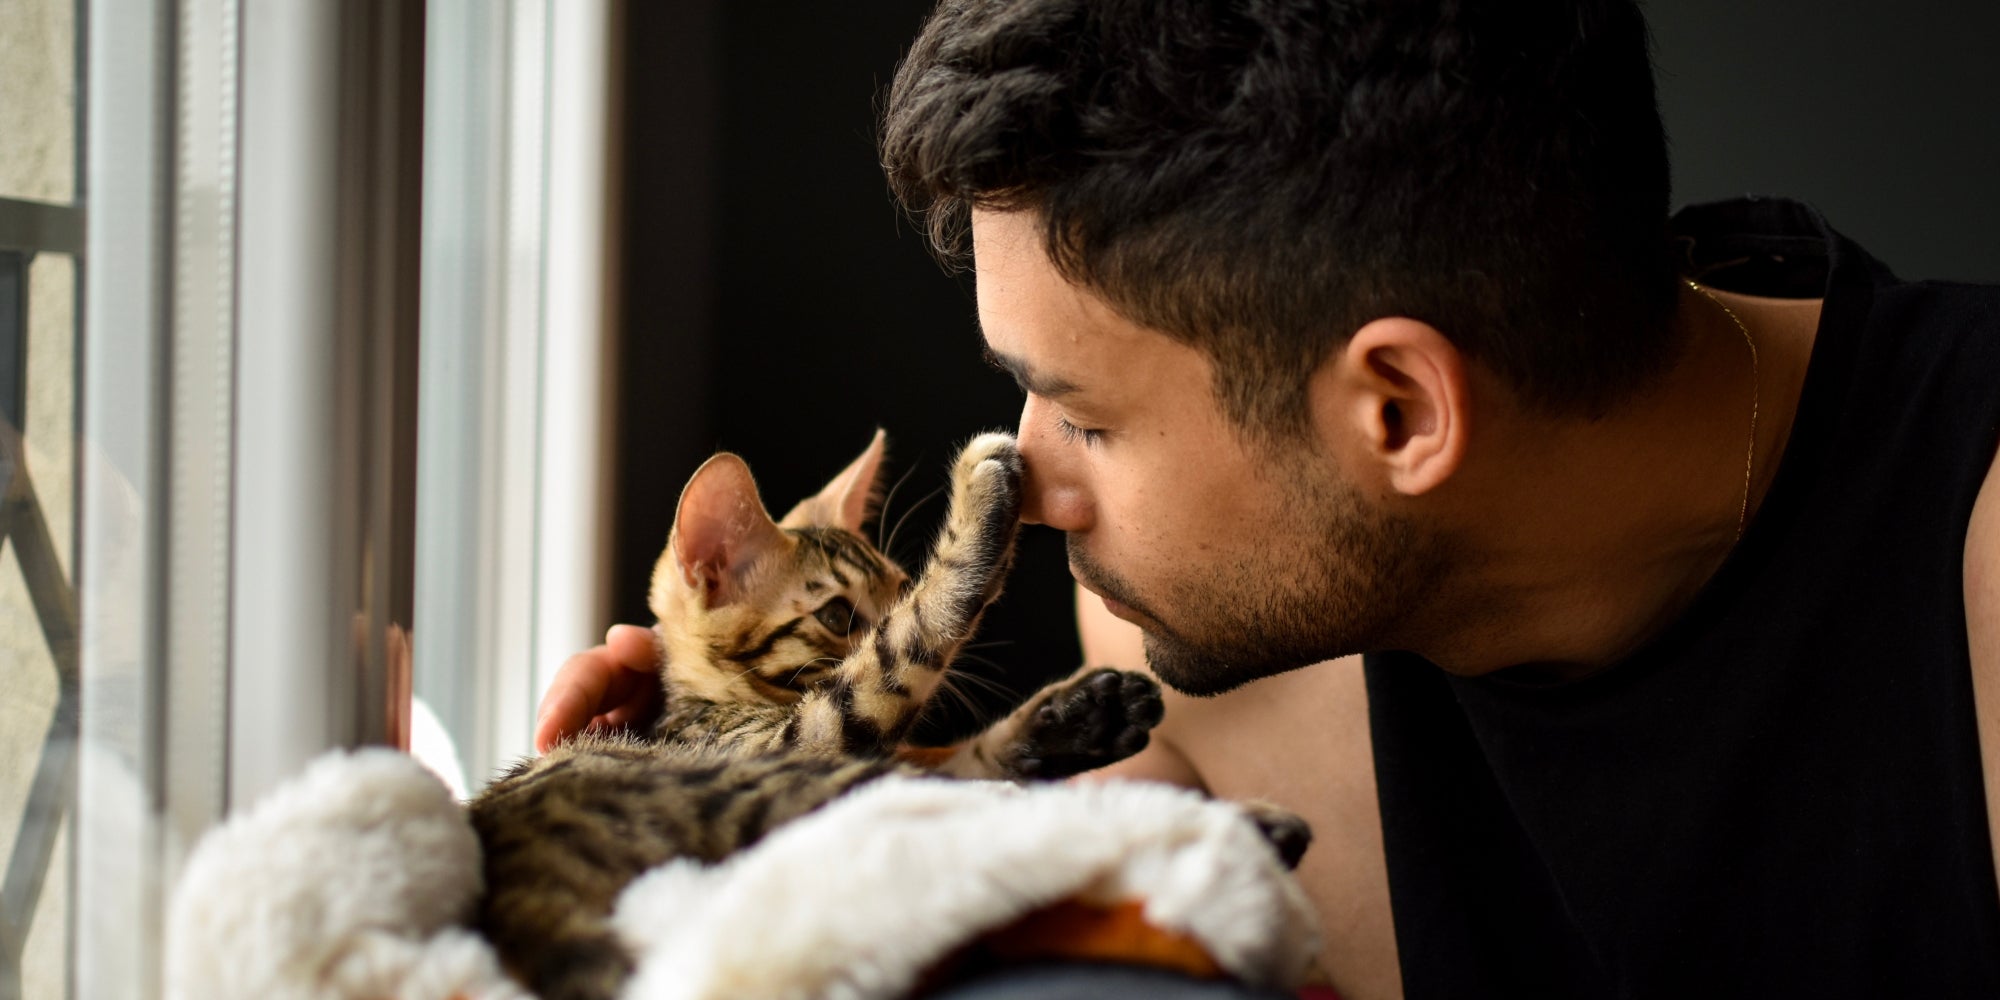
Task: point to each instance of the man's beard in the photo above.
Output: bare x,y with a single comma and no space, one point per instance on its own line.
1345,588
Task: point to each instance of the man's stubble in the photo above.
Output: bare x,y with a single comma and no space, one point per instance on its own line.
1336,576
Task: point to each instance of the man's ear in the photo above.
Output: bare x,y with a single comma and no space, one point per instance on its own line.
720,530
849,499
1397,395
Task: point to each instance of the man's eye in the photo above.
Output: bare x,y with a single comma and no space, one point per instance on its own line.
1072,433
837,615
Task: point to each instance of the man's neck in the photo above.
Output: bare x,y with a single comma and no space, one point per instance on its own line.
1589,538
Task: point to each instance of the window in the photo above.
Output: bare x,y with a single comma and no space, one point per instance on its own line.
210,410
511,522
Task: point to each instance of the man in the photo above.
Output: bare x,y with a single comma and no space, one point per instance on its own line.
1674,549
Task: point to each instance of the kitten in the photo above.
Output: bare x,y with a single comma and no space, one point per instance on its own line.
795,658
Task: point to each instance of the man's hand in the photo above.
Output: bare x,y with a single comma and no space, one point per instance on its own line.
613,686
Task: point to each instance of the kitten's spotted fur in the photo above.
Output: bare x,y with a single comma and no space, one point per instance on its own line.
795,659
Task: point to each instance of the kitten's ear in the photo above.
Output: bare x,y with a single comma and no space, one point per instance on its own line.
720,530
850,498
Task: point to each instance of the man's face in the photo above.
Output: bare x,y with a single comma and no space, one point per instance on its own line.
1237,560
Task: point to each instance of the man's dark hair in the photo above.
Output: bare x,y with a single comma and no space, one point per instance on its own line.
1260,178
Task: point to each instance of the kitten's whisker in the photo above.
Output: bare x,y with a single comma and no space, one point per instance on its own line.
949,686
944,686
890,546
985,683
817,659
882,517
848,636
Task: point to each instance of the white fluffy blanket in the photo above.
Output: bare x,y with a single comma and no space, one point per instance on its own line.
356,879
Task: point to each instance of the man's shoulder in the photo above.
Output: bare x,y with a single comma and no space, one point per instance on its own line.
1982,627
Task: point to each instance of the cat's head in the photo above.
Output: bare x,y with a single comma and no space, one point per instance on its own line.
755,608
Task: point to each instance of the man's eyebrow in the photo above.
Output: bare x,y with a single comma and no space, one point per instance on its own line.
1031,381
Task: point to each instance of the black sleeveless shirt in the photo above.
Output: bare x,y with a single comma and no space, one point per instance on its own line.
1779,796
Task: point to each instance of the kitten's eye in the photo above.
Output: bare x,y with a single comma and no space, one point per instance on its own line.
837,615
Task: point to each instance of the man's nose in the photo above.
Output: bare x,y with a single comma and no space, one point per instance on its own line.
1031,490
1050,491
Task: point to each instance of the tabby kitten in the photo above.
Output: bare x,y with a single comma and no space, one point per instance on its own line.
795,657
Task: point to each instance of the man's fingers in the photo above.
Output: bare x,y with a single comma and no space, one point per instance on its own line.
574,696
632,648
643,710
613,683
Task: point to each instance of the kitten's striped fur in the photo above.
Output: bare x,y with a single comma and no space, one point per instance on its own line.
795,659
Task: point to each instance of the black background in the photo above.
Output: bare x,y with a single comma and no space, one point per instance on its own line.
775,303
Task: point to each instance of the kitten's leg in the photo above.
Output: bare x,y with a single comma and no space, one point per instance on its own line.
1288,833
1095,717
881,686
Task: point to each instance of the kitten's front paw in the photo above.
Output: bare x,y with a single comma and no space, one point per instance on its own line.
985,509
988,474
1096,718
1288,833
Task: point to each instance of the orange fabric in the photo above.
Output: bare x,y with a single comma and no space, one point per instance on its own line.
1116,932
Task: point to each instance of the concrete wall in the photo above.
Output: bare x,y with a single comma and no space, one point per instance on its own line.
38,162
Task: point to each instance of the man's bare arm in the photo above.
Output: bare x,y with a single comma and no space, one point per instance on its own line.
1982,624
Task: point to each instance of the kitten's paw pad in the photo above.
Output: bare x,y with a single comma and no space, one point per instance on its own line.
1088,721
1288,833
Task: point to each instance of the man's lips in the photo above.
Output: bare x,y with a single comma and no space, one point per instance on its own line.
1118,609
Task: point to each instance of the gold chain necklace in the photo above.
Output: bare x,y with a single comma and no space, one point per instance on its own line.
1749,460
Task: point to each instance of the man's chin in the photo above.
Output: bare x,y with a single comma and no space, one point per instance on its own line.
1201,674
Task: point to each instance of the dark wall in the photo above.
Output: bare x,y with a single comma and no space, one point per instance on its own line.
779,276
1884,115
777,306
